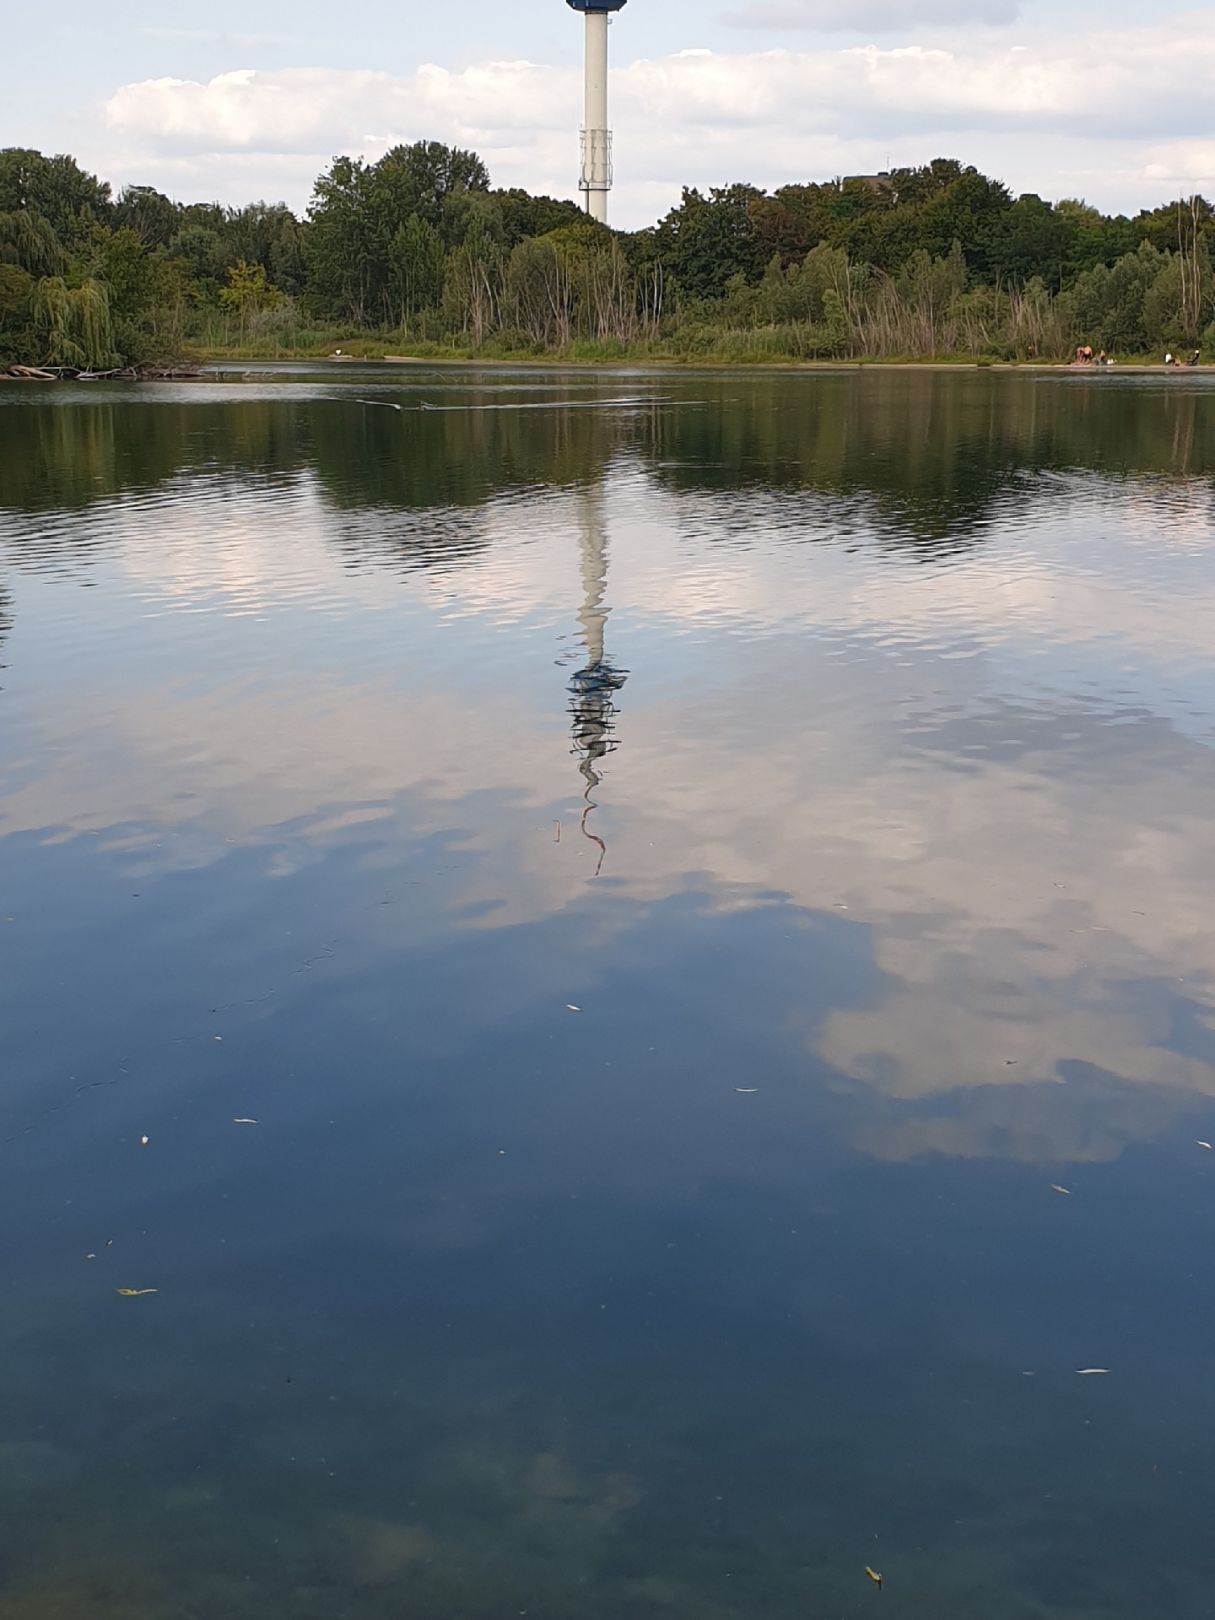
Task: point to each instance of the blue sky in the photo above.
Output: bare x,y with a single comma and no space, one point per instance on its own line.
242,101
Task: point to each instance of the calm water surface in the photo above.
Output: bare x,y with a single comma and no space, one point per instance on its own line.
682,870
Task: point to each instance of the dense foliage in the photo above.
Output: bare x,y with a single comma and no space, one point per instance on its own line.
418,251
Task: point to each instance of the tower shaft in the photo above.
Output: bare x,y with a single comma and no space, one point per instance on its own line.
596,136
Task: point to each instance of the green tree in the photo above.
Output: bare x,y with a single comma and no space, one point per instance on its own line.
340,244
270,235
71,200
706,240
249,293
540,293
16,293
27,240
153,218
1026,241
416,268
781,230
472,284
203,252
1106,304
523,215
477,213
358,210
966,211
837,328
15,288
72,325
1167,227
419,179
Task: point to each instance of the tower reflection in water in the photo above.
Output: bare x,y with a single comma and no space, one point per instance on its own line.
594,687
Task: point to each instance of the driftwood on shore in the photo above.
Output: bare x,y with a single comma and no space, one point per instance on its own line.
68,374
82,374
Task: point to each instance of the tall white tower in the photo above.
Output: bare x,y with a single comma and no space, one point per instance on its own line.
596,179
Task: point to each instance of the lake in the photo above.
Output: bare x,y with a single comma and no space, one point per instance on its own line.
622,969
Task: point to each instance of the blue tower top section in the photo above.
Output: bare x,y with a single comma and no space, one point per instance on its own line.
597,5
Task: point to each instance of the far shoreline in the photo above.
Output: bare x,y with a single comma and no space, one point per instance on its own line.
199,367
665,363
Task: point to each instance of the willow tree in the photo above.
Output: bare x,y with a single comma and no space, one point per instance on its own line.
72,324
41,317
27,240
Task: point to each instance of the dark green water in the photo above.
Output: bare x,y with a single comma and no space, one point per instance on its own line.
843,749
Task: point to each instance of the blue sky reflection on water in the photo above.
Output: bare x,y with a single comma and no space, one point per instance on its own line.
749,1271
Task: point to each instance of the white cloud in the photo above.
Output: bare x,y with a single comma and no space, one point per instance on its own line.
877,16
1118,131
1181,162
318,108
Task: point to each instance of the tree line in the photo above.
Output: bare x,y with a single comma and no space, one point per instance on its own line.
419,252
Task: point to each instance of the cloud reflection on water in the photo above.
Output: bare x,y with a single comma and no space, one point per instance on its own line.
984,740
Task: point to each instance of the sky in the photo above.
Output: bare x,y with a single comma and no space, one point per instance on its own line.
1105,101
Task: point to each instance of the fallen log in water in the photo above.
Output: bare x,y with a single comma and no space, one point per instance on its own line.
150,373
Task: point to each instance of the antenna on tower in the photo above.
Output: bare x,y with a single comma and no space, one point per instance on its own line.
596,180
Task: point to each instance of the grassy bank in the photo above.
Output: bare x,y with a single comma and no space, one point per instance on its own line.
743,348
755,347
787,345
